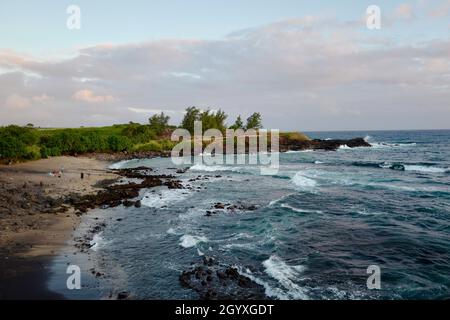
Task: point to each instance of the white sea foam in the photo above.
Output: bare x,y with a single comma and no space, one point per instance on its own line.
383,145
96,242
344,147
286,275
171,231
425,169
119,165
413,167
303,182
299,151
273,202
213,168
299,209
269,291
164,197
364,212
189,241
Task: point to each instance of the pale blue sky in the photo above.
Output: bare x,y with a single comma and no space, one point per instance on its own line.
39,27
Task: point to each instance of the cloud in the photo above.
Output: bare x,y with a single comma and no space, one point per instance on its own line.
306,73
42,98
89,96
442,10
140,110
15,101
404,11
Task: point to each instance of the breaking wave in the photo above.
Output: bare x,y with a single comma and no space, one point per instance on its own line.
304,183
164,197
286,276
189,241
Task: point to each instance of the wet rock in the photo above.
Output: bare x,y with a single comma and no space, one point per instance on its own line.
128,203
212,281
219,206
123,295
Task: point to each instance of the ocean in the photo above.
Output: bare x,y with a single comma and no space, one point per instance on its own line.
319,223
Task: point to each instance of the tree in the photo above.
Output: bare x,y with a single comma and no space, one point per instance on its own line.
254,121
191,115
238,124
159,122
213,120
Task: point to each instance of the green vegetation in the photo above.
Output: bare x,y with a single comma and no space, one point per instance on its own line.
30,142
238,124
294,136
209,119
254,121
159,122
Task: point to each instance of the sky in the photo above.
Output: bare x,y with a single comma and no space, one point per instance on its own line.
304,65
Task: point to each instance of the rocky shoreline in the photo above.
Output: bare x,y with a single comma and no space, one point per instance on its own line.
39,207
285,144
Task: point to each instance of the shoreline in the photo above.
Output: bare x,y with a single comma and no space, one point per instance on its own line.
45,199
35,221
44,203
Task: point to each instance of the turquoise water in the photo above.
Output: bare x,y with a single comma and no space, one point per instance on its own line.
320,222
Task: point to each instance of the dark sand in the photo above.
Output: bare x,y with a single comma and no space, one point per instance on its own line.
33,226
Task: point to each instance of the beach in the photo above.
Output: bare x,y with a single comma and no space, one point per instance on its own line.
308,232
34,221
146,228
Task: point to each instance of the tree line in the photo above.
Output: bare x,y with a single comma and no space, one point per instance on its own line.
28,142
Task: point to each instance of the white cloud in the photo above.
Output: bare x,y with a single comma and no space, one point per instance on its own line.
15,101
43,98
307,73
89,96
140,110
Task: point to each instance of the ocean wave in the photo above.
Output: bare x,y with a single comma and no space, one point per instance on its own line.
164,197
381,145
413,167
402,167
299,209
97,242
172,231
268,290
425,169
189,241
303,182
214,168
364,212
286,275
299,151
119,165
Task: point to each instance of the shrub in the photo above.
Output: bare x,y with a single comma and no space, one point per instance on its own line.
138,133
119,143
12,148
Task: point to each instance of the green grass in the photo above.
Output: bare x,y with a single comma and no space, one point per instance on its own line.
28,143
